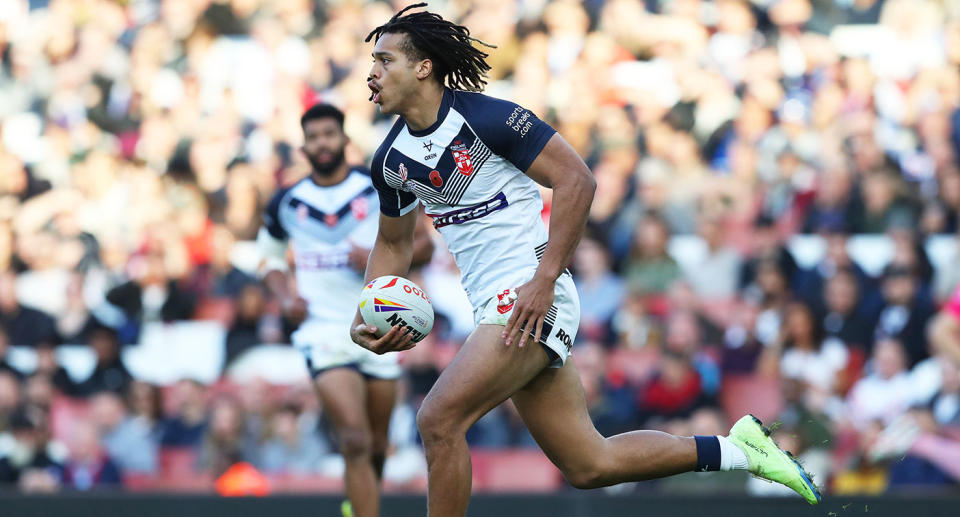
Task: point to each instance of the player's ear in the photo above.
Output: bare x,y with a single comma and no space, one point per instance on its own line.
424,69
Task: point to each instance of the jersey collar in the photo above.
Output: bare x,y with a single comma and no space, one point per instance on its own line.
441,114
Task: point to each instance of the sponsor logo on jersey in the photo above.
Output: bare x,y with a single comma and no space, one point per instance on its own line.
428,145
436,179
499,202
360,207
302,213
519,121
313,261
331,219
402,169
388,306
461,155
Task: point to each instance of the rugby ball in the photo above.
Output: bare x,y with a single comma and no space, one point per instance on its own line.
392,300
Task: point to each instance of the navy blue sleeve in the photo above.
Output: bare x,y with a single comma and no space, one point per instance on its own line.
509,130
393,202
271,216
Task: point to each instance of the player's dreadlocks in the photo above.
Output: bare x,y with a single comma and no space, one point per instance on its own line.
448,45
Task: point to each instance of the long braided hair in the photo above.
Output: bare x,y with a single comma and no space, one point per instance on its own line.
456,62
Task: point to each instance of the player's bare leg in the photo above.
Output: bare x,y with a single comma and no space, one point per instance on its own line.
554,409
381,397
343,393
483,374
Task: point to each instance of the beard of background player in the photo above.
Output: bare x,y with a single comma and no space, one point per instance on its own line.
328,168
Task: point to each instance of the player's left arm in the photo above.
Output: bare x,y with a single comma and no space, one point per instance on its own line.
558,167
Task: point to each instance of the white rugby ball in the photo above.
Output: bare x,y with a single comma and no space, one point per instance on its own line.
393,300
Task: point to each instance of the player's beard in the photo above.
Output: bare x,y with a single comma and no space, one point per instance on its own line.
328,168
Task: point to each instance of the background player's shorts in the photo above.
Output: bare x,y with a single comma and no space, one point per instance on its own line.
559,327
327,345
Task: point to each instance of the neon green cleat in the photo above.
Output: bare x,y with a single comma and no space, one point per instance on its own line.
346,509
768,461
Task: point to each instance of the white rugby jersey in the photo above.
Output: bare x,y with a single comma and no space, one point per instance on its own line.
320,223
468,170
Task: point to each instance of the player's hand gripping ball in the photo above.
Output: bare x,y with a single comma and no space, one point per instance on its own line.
392,300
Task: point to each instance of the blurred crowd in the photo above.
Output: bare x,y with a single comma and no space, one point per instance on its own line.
141,140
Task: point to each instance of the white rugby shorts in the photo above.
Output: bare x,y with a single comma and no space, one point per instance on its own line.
559,326
326,345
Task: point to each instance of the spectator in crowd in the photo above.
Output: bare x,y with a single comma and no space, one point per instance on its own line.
834,203
287,449
23,325
842,315
9,398
89,466
227,280
185,427
741,347
682,335
146,406
886,392
836,258
771,293
38,393
248,329
601,291
151,295
109,373
883,204
649,270
807,355
5,366
47,366
905,313
945,403
674,391
127,439
909,251
768,245
715,276
34,463
947,275
226,440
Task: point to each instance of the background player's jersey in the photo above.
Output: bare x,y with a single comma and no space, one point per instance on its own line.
468,170
320,223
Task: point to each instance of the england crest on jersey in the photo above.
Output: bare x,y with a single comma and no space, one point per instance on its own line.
461,155
402,169
360,207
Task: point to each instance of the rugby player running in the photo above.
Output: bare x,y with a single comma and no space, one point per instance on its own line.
473,161
328,220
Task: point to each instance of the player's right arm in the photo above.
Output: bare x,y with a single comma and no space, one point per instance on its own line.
392,254
272,244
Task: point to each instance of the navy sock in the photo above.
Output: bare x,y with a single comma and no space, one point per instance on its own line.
708,453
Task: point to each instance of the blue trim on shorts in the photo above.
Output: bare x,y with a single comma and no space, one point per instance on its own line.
555,361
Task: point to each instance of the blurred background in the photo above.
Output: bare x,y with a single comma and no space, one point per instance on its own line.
775,227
